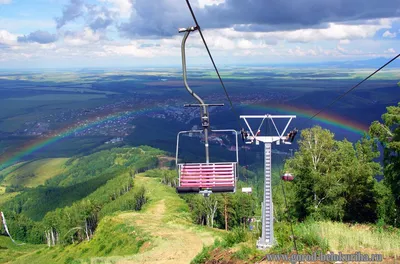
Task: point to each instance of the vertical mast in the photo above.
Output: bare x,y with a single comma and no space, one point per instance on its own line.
267,234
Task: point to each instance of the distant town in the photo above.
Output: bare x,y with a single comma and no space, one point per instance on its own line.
116,119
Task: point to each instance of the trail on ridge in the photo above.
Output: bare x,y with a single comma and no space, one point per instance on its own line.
174,239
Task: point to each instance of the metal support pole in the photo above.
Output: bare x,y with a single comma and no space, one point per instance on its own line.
267,234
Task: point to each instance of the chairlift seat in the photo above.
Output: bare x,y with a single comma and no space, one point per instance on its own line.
216,177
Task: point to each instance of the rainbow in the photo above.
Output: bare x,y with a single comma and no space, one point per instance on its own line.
40,143
323,117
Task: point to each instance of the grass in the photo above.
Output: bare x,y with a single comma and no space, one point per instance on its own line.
35,173
9,251
310,237
113,238
337,237
11,168
5,197
367,239
161,230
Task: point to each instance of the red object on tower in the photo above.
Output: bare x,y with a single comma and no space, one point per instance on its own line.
287,177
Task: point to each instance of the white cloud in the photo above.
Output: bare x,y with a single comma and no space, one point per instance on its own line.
247,44
335,41
131,50
123,7
388,34
85,37
145,49
344,41
7,38
341,49
390,50
222,43
334,31
300,52
4,2
203,3
247,53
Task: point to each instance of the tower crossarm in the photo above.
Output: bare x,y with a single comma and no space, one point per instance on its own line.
268,138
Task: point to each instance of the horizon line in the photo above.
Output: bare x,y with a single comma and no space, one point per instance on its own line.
329,63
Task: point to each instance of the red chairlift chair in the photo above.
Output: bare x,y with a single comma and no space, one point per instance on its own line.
206,178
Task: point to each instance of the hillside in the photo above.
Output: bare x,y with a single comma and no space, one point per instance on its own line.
161,233
120,206
28,175
32,174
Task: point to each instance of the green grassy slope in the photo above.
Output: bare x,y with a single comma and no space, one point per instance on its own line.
161,233
82,177
35,173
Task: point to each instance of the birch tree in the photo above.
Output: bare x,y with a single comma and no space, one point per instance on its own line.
211,204
334,178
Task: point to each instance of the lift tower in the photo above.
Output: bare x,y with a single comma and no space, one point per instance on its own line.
267,236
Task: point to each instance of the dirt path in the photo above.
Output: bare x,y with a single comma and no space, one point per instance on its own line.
172,242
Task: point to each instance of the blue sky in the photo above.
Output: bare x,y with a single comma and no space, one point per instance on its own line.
132,33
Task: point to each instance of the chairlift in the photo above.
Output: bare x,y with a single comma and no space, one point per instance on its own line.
287,177
206,177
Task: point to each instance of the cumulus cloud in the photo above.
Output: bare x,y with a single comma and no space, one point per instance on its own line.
255,29
388,34
123,7
95,16
300,52
203,3
293,14
163,17
71,11
99,18
39,36
131,50
341,32
7,38
157,18
390,50
84,37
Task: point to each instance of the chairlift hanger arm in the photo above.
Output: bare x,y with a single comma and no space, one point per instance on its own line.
187,32
276,129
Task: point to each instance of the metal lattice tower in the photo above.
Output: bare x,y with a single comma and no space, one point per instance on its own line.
267,236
